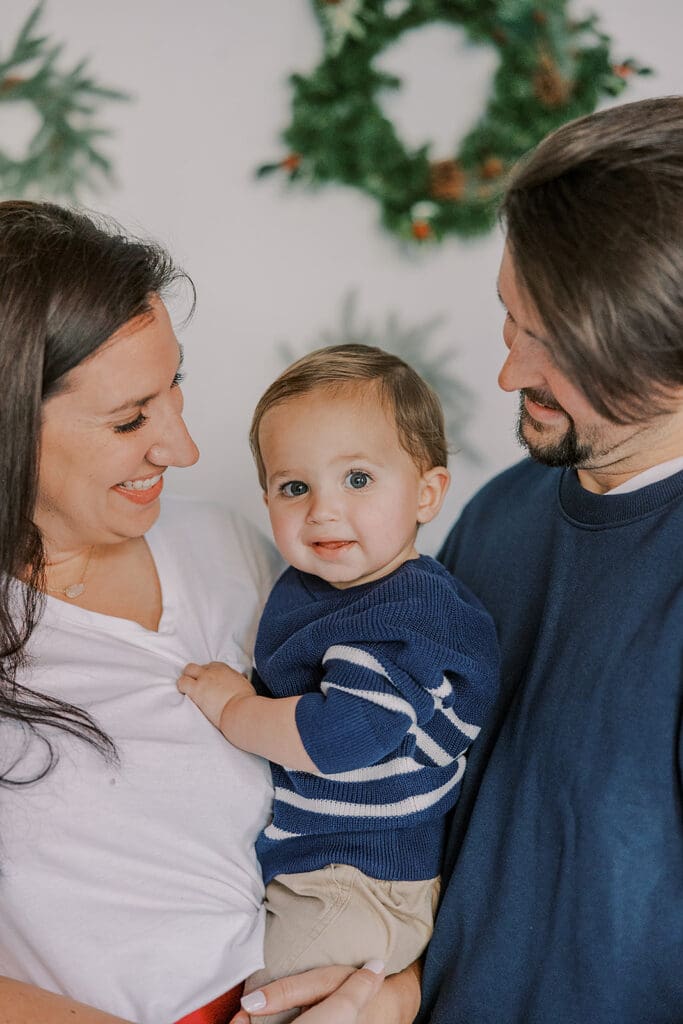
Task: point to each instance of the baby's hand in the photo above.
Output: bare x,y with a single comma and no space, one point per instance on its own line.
212,687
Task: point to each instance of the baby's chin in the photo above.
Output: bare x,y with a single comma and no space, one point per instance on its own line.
339,576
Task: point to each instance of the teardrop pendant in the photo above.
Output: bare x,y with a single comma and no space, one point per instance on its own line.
75,590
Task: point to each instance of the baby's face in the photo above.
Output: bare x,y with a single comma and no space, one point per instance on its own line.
344,497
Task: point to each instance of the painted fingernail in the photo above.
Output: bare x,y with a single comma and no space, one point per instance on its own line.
254,1001
376,966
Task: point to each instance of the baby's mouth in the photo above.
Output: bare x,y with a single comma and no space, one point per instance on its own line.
332,545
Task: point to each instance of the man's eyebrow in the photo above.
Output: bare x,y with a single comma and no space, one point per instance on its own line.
526,330
137,403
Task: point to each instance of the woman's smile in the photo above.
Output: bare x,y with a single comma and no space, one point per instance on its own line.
142,491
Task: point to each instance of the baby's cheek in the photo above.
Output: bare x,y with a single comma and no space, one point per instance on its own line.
286,537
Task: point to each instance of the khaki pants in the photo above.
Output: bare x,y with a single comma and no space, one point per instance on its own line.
338,915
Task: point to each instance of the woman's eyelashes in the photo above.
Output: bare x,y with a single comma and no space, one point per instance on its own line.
128,428
141,419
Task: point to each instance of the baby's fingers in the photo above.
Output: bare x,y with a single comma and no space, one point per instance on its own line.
189,680
186,684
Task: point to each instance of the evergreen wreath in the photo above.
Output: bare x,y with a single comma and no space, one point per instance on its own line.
551,70
62,156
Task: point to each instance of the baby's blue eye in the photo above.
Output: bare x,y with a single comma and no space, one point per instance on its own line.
294,488
357,480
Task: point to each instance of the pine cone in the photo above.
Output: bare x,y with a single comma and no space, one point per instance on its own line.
9,83
446,180
550,87
492,167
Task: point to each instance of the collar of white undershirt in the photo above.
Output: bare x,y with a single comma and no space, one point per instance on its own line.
649,476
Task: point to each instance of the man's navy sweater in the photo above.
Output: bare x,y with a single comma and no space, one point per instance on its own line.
564,873
395,677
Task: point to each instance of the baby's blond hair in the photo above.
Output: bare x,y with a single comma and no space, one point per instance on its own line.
413,403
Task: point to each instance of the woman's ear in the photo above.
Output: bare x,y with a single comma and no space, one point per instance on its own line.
433,486
265,498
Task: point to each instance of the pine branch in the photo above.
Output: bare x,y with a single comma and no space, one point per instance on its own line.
62,158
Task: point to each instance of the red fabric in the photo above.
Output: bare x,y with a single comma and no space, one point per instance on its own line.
218,1011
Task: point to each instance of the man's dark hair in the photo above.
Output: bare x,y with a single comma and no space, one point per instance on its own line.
594,220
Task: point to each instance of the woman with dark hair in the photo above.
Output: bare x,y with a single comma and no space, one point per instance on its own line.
128,879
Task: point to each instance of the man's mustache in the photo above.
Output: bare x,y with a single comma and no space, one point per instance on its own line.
541,398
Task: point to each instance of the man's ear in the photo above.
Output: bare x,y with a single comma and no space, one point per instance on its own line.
433,486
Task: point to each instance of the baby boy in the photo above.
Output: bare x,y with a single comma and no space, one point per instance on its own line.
374,667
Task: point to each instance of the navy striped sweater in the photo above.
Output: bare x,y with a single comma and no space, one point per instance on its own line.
396,678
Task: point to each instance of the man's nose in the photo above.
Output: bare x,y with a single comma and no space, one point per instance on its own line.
524,366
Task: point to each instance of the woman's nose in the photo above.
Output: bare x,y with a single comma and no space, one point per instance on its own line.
176,446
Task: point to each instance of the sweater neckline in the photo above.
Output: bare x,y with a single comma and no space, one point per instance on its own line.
605,510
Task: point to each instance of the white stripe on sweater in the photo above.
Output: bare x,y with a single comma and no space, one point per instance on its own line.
273,832
471,731
445,690
343,809
342,652
384,700
383,770
430,747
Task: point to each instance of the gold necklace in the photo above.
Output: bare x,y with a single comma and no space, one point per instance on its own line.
73,590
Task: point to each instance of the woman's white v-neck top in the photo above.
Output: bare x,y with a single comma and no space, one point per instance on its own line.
136,888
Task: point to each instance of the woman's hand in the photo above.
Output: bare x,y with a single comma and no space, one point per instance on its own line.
211,687
341,995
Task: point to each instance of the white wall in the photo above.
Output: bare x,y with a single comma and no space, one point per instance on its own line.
271,264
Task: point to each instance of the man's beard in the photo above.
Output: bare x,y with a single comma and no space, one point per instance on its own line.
567,452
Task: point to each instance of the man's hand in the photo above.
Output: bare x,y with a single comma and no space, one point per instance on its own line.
212,687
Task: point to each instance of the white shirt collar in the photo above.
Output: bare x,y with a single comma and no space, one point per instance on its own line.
649,476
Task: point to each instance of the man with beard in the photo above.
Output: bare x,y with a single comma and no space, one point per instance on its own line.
563,882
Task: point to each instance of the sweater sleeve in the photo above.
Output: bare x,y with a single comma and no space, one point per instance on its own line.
370,703
359,716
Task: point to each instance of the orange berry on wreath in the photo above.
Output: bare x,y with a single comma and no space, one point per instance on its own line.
291,162
421,229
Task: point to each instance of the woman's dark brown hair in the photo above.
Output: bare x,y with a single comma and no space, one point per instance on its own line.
67,283
594,219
